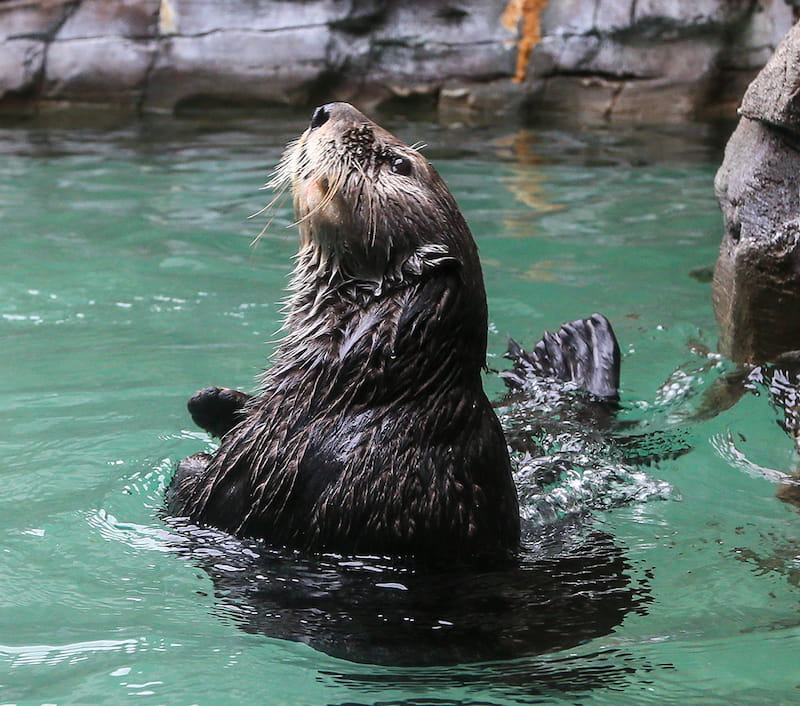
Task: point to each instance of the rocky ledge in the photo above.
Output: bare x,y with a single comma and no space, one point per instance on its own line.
595,60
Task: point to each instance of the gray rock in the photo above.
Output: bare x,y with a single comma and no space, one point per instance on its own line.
774,96
21,61
573,17
32,19
133,19
237,66
685,59
481,103
107,70
602,59
679,16
585,100
756,290
197,17
421,47
757,38
25,27
661,59
656,101
613,16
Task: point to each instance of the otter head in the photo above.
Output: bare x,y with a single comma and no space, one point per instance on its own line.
370,206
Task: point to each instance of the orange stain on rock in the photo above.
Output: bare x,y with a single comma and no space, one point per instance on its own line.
529,13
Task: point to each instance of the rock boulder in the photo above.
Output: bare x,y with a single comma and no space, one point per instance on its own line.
756,291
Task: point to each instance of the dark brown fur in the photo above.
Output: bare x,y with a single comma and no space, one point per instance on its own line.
371,432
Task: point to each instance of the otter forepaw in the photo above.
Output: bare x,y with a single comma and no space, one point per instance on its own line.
217,409
187,474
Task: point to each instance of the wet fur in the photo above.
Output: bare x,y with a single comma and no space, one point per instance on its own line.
371,432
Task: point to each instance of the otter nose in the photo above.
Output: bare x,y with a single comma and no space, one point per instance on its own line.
320,116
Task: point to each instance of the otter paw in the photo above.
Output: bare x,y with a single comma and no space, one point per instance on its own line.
217,409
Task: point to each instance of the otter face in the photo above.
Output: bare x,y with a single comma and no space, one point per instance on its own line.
364,198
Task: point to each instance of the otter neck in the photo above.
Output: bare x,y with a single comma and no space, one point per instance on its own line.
336,265
424,332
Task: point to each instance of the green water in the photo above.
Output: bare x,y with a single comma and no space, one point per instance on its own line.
127,281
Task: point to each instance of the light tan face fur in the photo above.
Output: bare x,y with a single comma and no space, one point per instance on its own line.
360,194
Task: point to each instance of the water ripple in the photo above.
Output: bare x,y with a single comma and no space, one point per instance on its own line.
725,445
53,654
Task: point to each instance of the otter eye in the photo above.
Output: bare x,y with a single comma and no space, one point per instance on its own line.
401,166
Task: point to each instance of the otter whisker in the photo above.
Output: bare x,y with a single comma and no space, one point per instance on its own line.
280,192
286,167
280,181
276,202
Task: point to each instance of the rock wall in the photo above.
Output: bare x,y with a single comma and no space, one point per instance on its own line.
595,60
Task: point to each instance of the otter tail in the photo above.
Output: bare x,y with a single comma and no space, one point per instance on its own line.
584,352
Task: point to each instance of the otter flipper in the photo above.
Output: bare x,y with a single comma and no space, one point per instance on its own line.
217,409
584,352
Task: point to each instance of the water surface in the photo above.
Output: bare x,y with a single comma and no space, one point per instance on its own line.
127,281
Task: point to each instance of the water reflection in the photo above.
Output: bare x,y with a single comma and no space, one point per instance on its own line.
522,681
779,381
527,182
572,584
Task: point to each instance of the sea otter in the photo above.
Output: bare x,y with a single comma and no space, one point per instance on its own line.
371,432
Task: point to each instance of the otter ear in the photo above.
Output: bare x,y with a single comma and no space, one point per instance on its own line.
429,257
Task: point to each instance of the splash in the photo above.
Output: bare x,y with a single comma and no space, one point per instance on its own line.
571,456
